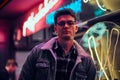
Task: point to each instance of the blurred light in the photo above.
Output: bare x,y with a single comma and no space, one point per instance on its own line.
2,37
102,7
98,12
102,69
19,34
85,1
98,31
104,49
106,61
76,6
32,20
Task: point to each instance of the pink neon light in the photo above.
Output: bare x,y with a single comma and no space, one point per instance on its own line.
32,20
2,36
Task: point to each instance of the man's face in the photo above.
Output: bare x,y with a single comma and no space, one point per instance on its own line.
11,68
66,27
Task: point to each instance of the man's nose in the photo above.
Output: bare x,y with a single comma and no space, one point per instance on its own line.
66,25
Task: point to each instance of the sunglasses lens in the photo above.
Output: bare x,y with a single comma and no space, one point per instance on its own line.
70,23
62,23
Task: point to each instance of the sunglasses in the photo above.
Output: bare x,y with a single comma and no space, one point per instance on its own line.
62,23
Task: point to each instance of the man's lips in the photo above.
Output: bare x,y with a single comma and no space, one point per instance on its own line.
66,32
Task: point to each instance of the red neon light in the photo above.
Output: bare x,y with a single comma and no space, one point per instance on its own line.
19,34
2,37
42,11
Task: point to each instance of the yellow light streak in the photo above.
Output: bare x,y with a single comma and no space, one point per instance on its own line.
102,68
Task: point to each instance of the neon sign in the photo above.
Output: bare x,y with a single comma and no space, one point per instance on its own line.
107,48
43,10
96,53
103,49
85,1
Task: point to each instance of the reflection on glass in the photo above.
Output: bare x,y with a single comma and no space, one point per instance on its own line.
102,41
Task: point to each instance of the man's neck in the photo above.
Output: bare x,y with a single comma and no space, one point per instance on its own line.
66,45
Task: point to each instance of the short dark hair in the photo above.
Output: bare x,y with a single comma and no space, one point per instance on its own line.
65,11
11,62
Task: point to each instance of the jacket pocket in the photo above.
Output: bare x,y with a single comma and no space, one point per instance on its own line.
42,70
42,64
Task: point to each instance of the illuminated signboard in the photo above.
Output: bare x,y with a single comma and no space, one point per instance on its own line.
33,19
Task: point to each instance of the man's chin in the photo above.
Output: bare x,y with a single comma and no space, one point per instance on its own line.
67,38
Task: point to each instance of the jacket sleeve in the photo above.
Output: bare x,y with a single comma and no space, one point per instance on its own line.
28,69
91,70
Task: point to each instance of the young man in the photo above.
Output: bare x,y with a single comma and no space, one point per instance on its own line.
61,58
8,72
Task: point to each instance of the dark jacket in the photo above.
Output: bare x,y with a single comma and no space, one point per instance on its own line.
41,64
4,75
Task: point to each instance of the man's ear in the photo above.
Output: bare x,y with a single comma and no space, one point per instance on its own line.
55,29
76,29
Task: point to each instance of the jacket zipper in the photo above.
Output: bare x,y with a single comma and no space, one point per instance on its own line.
55,61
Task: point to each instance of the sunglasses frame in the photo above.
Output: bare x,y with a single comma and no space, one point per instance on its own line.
69,22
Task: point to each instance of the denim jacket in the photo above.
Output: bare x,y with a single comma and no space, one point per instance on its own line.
41,64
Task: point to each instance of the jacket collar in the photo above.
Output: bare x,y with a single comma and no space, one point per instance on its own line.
48,45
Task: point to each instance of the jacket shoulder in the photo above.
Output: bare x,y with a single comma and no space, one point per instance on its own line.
39,45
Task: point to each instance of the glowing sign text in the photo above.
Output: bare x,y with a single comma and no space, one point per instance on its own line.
42,11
